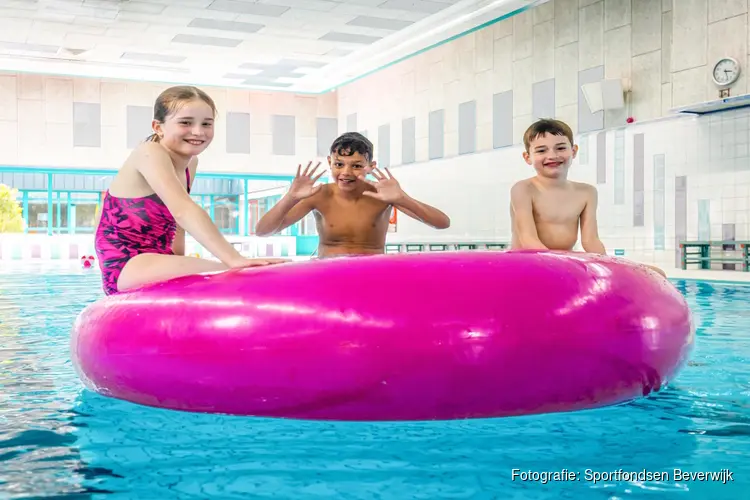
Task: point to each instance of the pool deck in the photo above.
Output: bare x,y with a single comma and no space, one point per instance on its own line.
719,276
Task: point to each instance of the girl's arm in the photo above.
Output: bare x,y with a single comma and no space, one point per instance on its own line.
178,246
156,166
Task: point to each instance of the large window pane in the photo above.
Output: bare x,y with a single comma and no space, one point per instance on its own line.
38,216
226,213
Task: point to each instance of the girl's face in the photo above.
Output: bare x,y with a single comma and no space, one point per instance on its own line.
189,130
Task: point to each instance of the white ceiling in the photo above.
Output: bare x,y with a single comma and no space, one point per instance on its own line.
290,45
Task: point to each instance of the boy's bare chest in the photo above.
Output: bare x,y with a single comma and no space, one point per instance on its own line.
558,207
355,220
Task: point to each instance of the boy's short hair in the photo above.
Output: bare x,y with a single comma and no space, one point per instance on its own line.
546,126
352,142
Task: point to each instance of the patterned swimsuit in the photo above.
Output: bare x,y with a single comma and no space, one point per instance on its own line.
129,227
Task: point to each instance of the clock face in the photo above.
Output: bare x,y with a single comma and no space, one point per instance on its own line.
726,71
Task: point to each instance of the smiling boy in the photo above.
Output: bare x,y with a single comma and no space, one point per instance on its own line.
547,209
352,213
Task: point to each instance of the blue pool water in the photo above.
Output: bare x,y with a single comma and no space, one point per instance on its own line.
60,441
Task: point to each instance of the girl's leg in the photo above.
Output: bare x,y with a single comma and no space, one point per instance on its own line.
148,268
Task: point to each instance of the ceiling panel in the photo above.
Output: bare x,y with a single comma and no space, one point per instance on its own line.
139,56
256,9
426,6
229,26
379,23
335,36
142,7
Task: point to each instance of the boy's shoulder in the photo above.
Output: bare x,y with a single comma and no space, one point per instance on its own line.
522,185
584,188
325,189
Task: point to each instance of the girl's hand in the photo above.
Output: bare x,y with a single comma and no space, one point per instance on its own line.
257,262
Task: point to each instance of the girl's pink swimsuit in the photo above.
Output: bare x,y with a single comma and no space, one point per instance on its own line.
129,227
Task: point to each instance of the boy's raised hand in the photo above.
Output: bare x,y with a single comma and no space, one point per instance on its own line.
303,186
387,188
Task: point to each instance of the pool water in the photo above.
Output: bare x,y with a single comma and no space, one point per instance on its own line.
58,440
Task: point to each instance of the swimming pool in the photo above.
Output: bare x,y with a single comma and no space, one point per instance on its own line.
58,440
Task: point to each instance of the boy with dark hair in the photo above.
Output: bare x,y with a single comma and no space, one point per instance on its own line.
351,213
547,209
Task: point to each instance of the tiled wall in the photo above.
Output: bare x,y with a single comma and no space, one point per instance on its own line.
481,91
78,122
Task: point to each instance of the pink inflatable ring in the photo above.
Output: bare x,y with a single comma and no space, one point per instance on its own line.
443,335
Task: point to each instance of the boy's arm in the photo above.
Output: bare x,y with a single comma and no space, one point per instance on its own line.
423,213
589,230
388,190
285,213
523,215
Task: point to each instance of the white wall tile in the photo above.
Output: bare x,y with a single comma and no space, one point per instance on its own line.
502,76
483,52
566,22
591,36
689,86
617,55
523,35
8,142
523,77
58,100
520,124
544,52
59,139
568,114
689,33
646,77
617,65
647,26
31,111
30,86
484,137
666,98
566,79
503,28
724,9
87,90
8,98
617,13
666,47
544,12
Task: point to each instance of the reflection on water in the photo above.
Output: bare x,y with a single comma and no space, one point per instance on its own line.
59,441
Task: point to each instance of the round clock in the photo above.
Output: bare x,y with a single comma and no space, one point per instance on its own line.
726,71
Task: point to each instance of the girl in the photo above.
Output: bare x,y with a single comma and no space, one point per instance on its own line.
140,237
